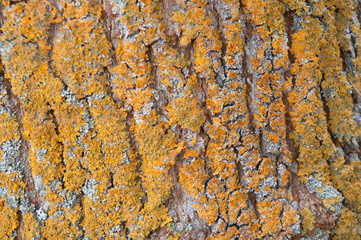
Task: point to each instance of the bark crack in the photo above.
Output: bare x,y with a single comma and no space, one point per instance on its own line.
27,174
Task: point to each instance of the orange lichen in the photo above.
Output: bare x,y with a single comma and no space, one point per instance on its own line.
8,220
134,119
31,226
348,227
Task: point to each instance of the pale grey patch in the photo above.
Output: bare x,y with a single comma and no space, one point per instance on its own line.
327,192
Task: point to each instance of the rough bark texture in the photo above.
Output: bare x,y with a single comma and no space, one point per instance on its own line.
174,119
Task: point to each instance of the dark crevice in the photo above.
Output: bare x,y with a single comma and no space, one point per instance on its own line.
202,82
349,68
325,218
249,90
20,227
53,28
174,172
16,2
252,202
134,144
52,116
239,167
169,25
249,29
113,96
291,145
358,11
246,75
261,146
354,44
207,113
327,113
344,57
222,38
173,40
289,19
108,18
207,166
294,184
82,217
347,147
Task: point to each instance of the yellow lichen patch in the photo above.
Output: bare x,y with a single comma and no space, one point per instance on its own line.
59,227
331,201
348,226
188,113
154,218
74,176
77,63
159,152
12,183
30,228
101,217
251,230
9,127
270,216
308,221
236,199
289,217
8,220
192,22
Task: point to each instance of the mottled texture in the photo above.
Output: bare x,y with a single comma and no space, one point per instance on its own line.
174,119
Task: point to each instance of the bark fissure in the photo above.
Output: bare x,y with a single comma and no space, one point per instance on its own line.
327,115
108,19
247,76
222,38
27,174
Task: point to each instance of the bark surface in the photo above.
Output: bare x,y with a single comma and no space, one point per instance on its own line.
180,119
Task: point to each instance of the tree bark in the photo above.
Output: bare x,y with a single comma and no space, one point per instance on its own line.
197,119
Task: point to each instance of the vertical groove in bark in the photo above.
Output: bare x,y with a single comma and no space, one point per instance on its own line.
288,16
221,37
358,11
108,19
30,191
170,30
327,114
50,42
246,75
